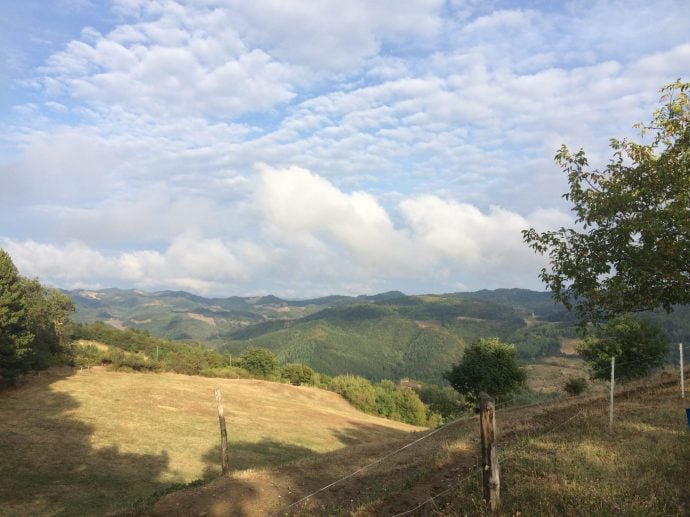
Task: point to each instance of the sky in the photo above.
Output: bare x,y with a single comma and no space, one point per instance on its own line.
308,148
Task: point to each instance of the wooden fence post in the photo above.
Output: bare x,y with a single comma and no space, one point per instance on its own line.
613,385
490,477
223,434
682,374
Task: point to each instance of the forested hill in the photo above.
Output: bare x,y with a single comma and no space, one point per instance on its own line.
408,336
389,335
181,315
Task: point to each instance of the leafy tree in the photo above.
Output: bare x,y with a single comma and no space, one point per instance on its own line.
47,311
297,373
16,340
637,344
631,249
487,365
258,361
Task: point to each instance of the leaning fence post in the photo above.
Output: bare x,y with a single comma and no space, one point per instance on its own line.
223,434
490,476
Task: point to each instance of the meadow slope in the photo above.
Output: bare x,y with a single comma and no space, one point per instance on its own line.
92,442
558,458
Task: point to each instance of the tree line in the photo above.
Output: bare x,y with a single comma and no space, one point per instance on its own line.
32,323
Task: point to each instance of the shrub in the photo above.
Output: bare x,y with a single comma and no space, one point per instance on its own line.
259,362
297,374
409,407
187,360
85,356
444,400
227,372
121,360
357,390
575,386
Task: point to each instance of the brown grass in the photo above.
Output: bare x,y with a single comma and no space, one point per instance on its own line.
550,374
92,442
569,345
557,458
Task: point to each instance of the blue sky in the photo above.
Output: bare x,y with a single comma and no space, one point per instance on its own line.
310,148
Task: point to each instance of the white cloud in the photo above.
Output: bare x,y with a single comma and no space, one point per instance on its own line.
337,35
309,230
405,143
298,204
185,61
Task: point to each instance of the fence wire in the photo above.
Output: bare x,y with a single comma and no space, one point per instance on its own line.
506,404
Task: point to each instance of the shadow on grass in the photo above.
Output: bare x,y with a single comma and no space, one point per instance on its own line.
295,471
358,434
254,455
49,465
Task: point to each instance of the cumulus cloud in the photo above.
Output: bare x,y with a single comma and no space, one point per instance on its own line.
189,262
300,205
186,60
310,231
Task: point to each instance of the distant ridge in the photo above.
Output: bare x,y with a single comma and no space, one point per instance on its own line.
386,335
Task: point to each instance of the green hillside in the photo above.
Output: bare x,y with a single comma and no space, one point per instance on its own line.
183,316
412,336
385,336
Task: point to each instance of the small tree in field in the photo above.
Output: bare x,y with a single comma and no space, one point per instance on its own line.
637,344
258,361
487,365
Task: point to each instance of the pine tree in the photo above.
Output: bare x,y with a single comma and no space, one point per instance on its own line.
16,354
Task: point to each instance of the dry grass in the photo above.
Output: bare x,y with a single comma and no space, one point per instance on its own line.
550,374
640,467
91,442
557,458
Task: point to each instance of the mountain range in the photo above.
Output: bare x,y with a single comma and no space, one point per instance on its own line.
388,335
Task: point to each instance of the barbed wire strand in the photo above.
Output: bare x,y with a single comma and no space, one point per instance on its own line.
501,405
375,462
462,480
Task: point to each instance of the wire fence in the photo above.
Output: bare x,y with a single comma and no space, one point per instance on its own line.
503,405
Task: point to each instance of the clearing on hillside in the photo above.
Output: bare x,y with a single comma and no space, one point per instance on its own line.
92,442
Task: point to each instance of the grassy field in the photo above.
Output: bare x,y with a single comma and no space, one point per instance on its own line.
579,466
90,442
549,374
93,442
557,458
